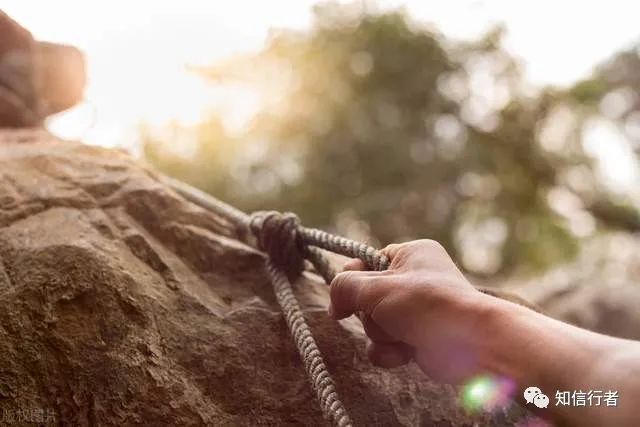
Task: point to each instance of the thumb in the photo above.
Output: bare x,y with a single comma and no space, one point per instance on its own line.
354,291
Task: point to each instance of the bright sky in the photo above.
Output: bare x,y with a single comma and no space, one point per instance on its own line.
137,50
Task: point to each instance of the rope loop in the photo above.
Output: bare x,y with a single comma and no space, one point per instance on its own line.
288,244
277,235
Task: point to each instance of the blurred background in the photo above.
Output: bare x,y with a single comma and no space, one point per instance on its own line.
509,131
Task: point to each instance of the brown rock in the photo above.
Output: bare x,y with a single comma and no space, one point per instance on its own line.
124,304
18,99
37,79
598,291
62,76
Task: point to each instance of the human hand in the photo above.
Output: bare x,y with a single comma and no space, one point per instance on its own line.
421,308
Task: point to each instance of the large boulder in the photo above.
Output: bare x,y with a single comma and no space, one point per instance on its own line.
37,79
125,304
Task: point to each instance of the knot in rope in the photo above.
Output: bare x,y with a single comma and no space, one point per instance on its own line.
288,243
277,235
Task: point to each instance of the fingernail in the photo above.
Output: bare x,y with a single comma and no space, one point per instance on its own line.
330,310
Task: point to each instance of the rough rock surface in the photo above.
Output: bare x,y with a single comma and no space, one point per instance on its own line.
124,304
598,291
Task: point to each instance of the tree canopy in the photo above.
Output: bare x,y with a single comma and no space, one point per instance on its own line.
379,128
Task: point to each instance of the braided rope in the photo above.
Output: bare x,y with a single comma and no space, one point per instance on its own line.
332,408
288,244
291,237
279,235
239,219
373,258
309,242
320,262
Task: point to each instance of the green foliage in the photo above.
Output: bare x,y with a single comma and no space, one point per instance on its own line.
375,126
588,91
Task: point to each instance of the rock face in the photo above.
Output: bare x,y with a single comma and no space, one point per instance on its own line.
36,78
124,304
597,291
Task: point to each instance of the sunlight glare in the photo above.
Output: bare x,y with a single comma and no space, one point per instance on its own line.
138,53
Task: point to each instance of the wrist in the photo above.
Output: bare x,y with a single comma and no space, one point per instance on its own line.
531,348
508,338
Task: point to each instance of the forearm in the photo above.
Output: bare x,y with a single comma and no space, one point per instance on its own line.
424,307
535,350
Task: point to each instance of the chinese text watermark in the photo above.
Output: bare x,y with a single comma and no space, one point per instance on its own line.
27,415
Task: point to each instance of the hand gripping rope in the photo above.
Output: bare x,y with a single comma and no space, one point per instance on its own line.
288,244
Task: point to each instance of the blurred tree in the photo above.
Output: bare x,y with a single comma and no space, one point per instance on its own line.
384,129
611,96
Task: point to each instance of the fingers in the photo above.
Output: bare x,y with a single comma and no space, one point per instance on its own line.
384,350
353,291
388,355
397,254
374,331
425,253
355,264
391,250
344,292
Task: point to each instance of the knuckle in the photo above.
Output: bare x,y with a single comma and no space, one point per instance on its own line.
431,244
341,278
391,247
340,281
405,251
401,248
371,293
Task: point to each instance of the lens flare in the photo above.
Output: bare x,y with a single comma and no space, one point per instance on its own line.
533,422
487,393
